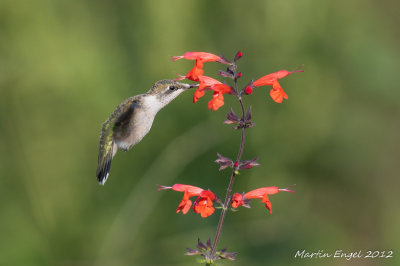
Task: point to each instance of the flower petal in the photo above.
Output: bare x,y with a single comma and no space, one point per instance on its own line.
207,212
184,206
203,56
197,95
216,102
268,204
277,93
208,194
222,88
194,191
206,81
204,206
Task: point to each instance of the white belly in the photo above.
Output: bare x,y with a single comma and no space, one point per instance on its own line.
138,130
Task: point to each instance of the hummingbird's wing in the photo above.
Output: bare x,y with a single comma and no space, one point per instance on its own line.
123,120
115,126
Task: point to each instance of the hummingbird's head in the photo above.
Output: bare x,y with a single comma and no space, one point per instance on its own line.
164,91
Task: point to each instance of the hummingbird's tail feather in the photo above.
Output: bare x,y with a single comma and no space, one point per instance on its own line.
103,169
107,150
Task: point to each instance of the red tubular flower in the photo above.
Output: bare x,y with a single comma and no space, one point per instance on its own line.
205,82
190,191
262,193
237,200
259,193
218,99
277,93
219,90
203,204
201,58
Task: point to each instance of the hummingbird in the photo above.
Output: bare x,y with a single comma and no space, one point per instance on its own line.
132,120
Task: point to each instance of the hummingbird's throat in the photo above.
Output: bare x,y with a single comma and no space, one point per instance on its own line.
152,104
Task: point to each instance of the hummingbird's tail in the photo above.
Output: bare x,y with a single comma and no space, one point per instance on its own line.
103,170
106,155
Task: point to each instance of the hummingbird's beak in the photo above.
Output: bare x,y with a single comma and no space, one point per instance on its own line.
193,86
189,86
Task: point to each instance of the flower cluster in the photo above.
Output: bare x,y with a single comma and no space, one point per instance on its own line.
205,199
219,89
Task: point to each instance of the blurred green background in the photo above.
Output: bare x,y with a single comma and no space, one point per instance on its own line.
65,66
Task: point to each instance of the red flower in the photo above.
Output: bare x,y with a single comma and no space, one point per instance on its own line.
205,82
237,200
201,56
218,99
203,204
259,193
277,93
219,90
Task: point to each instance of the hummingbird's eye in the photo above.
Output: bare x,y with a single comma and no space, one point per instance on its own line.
172,88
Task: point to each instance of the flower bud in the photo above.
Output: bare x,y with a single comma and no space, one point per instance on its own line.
248,90
238,55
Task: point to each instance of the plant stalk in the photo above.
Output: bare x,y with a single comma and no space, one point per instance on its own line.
227,201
